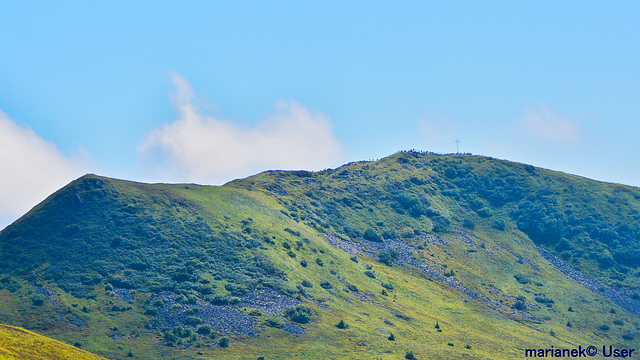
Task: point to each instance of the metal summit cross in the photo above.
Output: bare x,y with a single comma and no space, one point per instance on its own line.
457,146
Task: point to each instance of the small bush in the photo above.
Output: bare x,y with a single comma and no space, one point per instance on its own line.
372,235
219,300
235,289
191,311
628,336
306,283
326,285
273,322
389,233
520,305
303,263
521,278
389,257
342,325
319,262
352,232
204,329
407,233
387,286
604,327
484,213
37,300
543,299
354,259
499,224
234,300
224,342
151,311
300,314
193,320
410,356
370,274
449,273
352,287
391,337
468,224
292,232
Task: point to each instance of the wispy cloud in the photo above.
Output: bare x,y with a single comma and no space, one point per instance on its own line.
32,168
542,123
203,148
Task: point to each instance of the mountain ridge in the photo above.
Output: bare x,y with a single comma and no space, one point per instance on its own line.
287,255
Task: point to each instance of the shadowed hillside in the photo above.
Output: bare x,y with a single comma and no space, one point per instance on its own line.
431,255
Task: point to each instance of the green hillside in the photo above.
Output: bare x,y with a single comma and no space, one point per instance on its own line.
416,254
19,344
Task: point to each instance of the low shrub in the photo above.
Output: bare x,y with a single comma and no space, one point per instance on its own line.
521,278
204,329
224,341
192,320
300,314
273,322
372,235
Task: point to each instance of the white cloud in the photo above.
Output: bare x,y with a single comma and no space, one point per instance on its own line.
203,148
32,169
542,123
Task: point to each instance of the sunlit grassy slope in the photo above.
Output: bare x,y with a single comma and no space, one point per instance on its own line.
19,344
440,251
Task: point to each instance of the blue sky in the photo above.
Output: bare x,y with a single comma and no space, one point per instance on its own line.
206,92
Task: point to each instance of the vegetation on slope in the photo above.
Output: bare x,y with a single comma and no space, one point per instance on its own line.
270,265
593,226
19,344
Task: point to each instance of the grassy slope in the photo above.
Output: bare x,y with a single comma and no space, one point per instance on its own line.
361,197
17,343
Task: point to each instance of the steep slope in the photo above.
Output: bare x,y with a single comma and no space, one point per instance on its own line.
441,256
18,344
